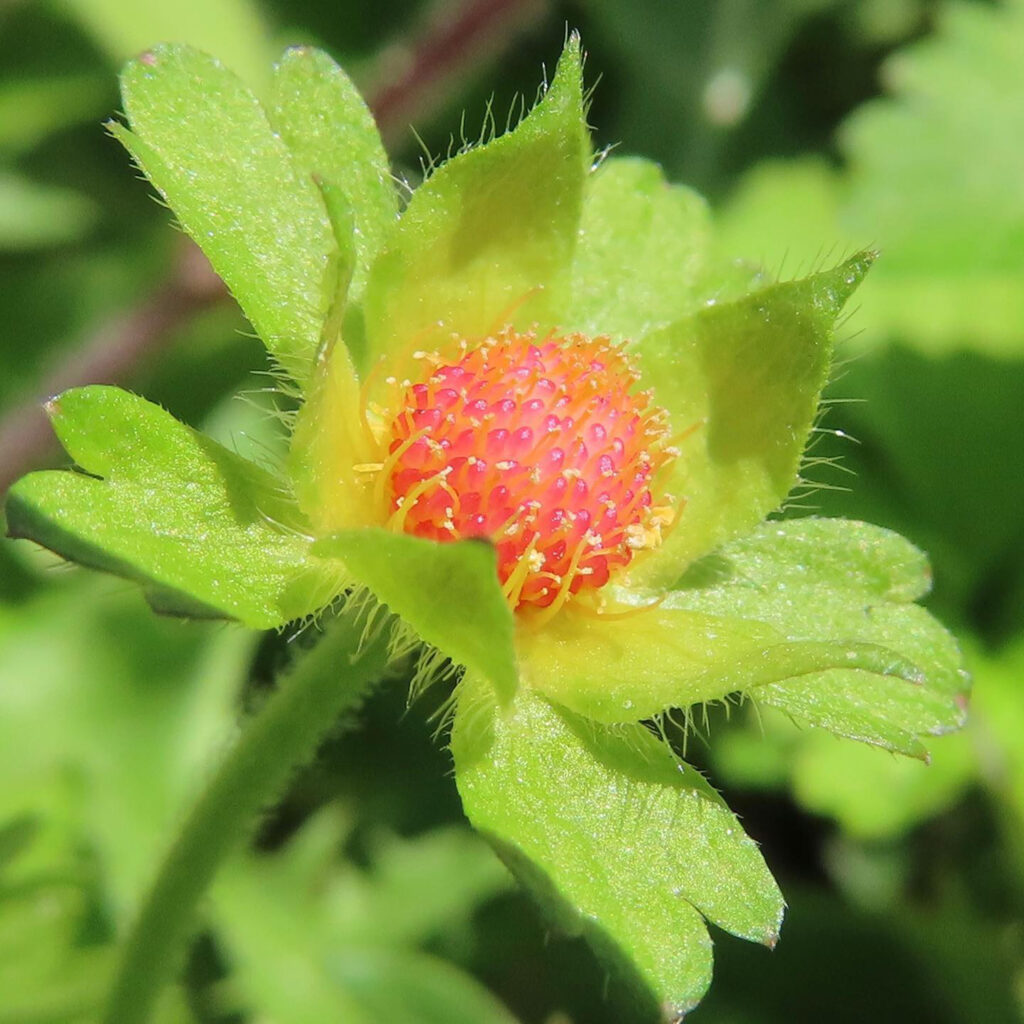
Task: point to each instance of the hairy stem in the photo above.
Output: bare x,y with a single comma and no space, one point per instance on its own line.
284,735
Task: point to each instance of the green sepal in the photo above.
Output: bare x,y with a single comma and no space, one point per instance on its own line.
448,593
615,836
333,138
487,239
641,259
205,532
841,584
329,441
342,265
628,667
741,382
203,140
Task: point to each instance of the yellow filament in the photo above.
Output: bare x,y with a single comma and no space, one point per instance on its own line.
546,614
396,521
391,461
517,579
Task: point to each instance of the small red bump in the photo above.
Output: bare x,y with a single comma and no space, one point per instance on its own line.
522,440
497,440
426,419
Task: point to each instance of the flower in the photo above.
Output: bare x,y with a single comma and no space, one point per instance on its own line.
545,352
540,445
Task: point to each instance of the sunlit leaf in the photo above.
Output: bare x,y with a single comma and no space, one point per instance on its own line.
644,661
841,583
641,260
741,381
206,144
332,136
487,239
205,531
617,839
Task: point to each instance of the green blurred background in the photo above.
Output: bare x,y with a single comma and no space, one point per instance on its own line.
814,127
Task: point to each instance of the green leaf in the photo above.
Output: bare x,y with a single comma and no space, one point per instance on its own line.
932,178
448,593
487,239
34,216
863,561
629,667
741,381
641,259
416,988
206,144
332,135
935,180
616,836
841,584
998,714
33,108
873,795
233,29
201,529
343,939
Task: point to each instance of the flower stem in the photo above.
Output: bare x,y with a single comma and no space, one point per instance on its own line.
325,683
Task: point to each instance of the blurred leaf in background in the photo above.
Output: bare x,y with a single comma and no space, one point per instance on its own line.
931,175
235,30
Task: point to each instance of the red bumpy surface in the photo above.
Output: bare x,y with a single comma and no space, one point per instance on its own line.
545,447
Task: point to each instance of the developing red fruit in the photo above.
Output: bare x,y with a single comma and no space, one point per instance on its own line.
544,447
